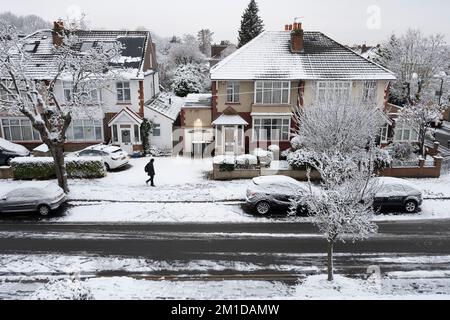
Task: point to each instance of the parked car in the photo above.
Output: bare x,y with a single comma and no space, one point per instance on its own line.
33,197
397,194
274,193
9,151
113,157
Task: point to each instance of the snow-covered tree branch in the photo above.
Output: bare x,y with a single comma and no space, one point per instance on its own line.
340,140
37,98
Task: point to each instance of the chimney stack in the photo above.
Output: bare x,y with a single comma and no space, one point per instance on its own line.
297,38
58,33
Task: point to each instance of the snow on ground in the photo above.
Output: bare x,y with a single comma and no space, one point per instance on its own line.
157,212
434,188
313,288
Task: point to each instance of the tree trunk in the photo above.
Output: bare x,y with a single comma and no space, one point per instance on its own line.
330,261
60,166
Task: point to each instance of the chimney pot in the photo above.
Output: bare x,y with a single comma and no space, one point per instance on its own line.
286,27
290,27
58,30
297,38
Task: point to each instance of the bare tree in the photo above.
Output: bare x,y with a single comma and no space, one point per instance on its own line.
38,100
205,38
415,59
339,139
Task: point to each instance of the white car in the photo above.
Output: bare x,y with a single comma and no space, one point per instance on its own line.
113,157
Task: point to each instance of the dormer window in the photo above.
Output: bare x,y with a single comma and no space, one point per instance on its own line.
86,46
31,47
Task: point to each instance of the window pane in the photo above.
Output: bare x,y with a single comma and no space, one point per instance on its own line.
136,133
16,133
119,85
36,135
7,133
277,92
156,130
127,95
78,133
114,132
119,95
267,94
89,133
98,134
26,133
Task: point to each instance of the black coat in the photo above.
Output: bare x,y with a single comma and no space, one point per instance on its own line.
150,169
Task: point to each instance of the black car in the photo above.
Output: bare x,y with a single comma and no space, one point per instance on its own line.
9,150
397,194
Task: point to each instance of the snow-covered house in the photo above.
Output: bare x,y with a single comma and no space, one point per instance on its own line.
163,112
121,105
196,124
255,88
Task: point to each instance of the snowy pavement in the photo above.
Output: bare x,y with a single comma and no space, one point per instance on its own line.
28,277
185,194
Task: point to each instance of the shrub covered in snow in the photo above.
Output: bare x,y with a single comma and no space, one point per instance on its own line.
403,151
156,152
28,168
246,161
300,159
382,158
297,143
264,157
66,289
226,163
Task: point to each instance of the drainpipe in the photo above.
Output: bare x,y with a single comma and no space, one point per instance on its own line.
141,98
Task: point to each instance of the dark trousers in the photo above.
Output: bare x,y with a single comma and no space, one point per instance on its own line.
151,179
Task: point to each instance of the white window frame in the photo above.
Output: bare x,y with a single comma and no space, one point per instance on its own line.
70,133
233,91
370,90
126,86
402,127
384,134
271,102
67,87
262,118
335,87
158,127
34,133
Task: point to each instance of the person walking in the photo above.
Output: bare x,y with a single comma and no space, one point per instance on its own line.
150,169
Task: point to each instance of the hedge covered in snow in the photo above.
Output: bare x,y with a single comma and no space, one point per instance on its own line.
28,168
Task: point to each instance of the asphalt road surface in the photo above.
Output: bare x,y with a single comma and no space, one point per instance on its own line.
260,243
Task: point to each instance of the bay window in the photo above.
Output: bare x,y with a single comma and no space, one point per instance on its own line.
272,92
19,130
271,129
405,133
85,130
333,92
233,88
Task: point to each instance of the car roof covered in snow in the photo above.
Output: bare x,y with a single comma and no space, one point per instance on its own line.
38,188
274,180
105,148
268,57
9,146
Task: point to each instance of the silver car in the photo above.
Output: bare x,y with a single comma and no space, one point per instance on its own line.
274,193
33,197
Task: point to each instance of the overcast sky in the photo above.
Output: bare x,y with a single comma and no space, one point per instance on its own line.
348,21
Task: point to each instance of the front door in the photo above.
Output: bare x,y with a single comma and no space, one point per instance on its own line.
230,140
125,137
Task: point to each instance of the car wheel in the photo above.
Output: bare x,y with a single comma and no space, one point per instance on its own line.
411,206
44,210
108,168
263,208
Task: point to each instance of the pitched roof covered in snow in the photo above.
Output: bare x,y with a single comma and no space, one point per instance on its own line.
168,106
268,57
40,63
198,101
